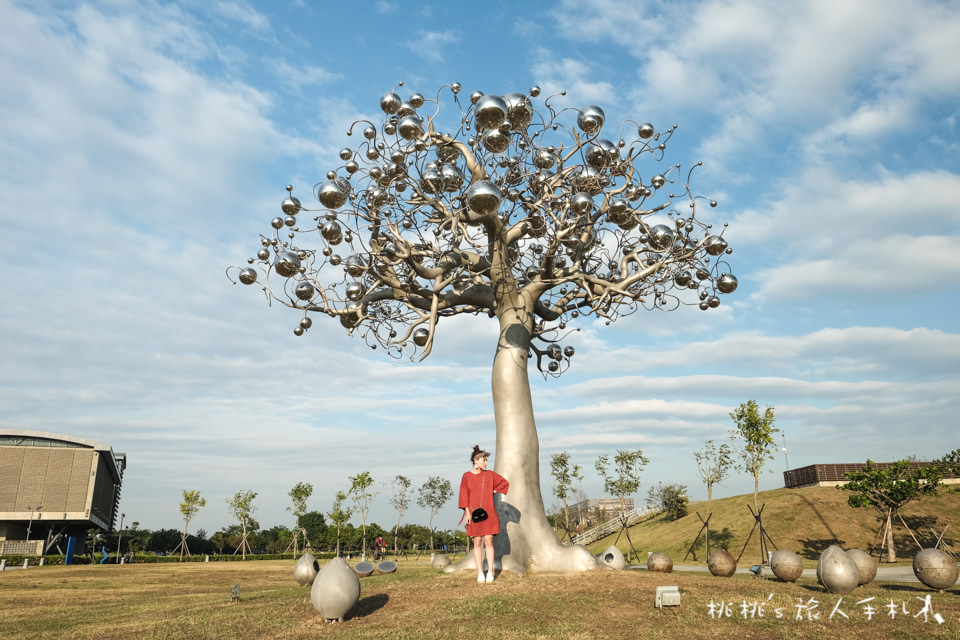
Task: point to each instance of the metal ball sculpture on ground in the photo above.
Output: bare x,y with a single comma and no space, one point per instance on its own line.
364,569
786,565
387,567
866,565
659,562
612,558
837,571
536,214
305,570
335,590
440,561
721,563
935,568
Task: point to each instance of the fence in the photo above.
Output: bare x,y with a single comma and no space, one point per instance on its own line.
605,529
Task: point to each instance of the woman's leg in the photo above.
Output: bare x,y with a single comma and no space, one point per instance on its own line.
488,543
477,557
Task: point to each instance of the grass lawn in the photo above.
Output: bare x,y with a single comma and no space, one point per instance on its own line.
193,601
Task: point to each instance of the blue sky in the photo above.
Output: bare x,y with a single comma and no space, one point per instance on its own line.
144,146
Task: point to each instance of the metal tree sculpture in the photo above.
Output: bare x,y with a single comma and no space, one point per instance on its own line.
530,216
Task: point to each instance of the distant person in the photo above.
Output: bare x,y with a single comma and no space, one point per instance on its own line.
477,487
381,548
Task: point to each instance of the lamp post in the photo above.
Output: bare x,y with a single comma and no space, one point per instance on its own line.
786,458
120,537
30,523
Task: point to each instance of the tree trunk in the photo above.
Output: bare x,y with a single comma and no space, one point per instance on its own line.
526,541
891,550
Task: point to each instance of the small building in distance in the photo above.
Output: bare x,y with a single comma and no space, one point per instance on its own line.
588,513
834,475
53,486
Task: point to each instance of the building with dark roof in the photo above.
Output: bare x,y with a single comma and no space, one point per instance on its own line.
53,486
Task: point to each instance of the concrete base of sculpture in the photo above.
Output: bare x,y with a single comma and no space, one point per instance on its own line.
866,565
440,561
659,562
612,558
721,563
786,565
363,569
305,569
336,589
387,567
935,568
837,571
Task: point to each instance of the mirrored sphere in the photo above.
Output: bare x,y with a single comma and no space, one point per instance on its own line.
248,275
287,264
332,194
390,102
420,336
290,206
304,290
483,196
601,153
495,141
727,283
645,130
591,119
661,237
332,232
519,110
409,127
714,245
452,178
581,204
355,291
355,266
490,112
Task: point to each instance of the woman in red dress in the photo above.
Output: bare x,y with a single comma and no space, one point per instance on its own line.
476,492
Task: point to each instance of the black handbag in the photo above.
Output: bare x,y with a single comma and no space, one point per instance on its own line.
480,514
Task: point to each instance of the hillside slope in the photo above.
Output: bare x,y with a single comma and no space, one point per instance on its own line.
805,520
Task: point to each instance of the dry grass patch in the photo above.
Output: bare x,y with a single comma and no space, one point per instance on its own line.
192,601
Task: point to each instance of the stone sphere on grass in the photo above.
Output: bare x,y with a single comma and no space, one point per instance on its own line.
866,565
935,568
837,571
786,565
659,562
722,564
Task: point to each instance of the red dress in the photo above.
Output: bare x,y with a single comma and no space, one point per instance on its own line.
476,490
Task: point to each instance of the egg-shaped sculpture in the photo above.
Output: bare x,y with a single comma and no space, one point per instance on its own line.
440,561
837,571
786,565
721,563
305,570
612,558
659,562
935,568
336,589
866,565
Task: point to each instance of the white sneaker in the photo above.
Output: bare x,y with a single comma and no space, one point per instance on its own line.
490,576
480,577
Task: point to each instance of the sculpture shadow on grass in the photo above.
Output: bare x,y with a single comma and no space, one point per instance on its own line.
813,547
369,605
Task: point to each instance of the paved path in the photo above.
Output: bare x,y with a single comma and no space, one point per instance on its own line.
899,573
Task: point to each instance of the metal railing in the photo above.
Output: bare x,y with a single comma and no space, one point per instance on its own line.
605,529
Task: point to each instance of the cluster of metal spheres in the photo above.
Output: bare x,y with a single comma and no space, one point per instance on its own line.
433,214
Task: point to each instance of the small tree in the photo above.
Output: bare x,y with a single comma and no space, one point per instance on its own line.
756,432
714,465
299,495
192,503
950,465
564,475
887,489
434,493
363,494
340,515
241,506
670,499
399,498
623,480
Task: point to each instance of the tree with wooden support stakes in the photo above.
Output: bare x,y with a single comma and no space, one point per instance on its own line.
399,498
755,433
192,503
299,495
621,481
534,217
242,507
433,494
887,489
714,464
361,490
564,476
340,515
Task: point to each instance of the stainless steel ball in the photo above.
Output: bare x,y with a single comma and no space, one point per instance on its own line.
409,127
490,112
420,336
866,565
727,283
495,141
287,264
333,193
591,119
355,291
290,206
935,568
483,197
248,275
786,565
390,102
645,130
837,571
721,563
714,245
304,291
659,562
661,237
519,110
